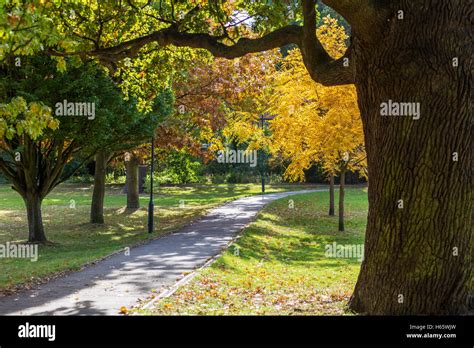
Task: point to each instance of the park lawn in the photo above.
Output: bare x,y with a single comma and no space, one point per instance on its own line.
280,267
76,242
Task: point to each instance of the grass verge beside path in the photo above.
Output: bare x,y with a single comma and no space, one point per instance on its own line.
278,266
75,242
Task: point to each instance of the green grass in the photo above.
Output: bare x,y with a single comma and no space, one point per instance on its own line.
281,267
75,242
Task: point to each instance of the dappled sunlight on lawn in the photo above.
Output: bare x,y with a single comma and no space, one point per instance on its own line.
66,220
279,265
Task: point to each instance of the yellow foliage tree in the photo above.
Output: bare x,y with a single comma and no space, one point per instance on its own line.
317,123
312,123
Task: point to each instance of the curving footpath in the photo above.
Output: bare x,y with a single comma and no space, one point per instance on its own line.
122,279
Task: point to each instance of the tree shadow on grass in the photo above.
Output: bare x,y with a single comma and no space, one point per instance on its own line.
292,241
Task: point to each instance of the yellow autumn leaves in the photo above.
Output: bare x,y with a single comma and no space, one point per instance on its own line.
312,123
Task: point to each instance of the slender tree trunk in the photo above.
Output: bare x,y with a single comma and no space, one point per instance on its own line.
98,195
35,220
342,178
133,196
331,195
419,231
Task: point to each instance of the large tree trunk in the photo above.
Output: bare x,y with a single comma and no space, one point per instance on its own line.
133,196
331,195
98,195
342,179
35,220
417,254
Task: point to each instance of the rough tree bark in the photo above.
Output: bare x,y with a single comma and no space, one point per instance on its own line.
331,195
133,196
342,179
98,194
417,259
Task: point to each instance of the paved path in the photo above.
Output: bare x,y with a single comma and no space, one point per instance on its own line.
120,280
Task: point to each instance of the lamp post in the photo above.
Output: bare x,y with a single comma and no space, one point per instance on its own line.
151,205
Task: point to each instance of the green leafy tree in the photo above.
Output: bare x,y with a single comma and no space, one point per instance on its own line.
37,143
127,131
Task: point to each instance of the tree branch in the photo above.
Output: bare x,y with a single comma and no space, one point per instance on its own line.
320,65
7,170
318,62
171,36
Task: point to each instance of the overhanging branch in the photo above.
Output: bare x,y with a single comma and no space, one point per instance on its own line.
318,62
171,36
320,65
